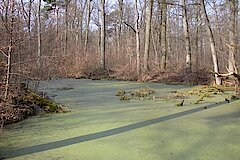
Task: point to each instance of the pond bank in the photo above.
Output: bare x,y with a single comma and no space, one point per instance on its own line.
25,104
201,77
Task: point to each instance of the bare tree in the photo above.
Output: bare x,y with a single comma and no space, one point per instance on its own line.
87,26
29,23
197,39
39,33
187,38
137,38
119,38
232,36
212,43
164,35
79,29
102,21
66,28
147,36
10,49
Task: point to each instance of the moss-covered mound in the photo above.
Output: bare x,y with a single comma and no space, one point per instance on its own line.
194,95
33,99
26,104
139,94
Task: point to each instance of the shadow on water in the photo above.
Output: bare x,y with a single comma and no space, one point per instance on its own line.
110,132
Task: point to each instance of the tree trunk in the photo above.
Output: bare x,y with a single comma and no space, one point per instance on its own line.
119,38
154,47
65,47
56,14
102,21
87,27
215,8
212,43
143,15
197,40
6,11
137,38
236,26
232,36
79,33
39,33
164,36
10,47
29,25
187,38
147,36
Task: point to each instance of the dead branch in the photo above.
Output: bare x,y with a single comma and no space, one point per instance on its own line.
21,75
176,4
130,26
229,74
3,53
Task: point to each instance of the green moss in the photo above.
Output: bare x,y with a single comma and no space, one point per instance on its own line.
63,109
125,98
32,98
120,92
139,94
45,104
202,92
143,93
199,90
176,95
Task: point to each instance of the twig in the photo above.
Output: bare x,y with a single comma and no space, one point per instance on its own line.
130,26
18,74
3,53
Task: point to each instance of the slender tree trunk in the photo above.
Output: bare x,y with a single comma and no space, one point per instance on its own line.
147,36
197,40
236,25
232,36
178,27
159,35
29,24
187,38
143,16
154,47
164,36
102,21
87,27
66,28
57,12
39,33
137,38
99,40
6,11
212,44
79,34
218,26
119,38
202,41
10,49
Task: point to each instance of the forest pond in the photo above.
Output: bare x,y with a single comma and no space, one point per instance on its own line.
100,126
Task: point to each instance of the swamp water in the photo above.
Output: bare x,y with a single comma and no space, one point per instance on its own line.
101,127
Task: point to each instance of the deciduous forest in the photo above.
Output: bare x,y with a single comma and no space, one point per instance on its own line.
132,40
52,50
